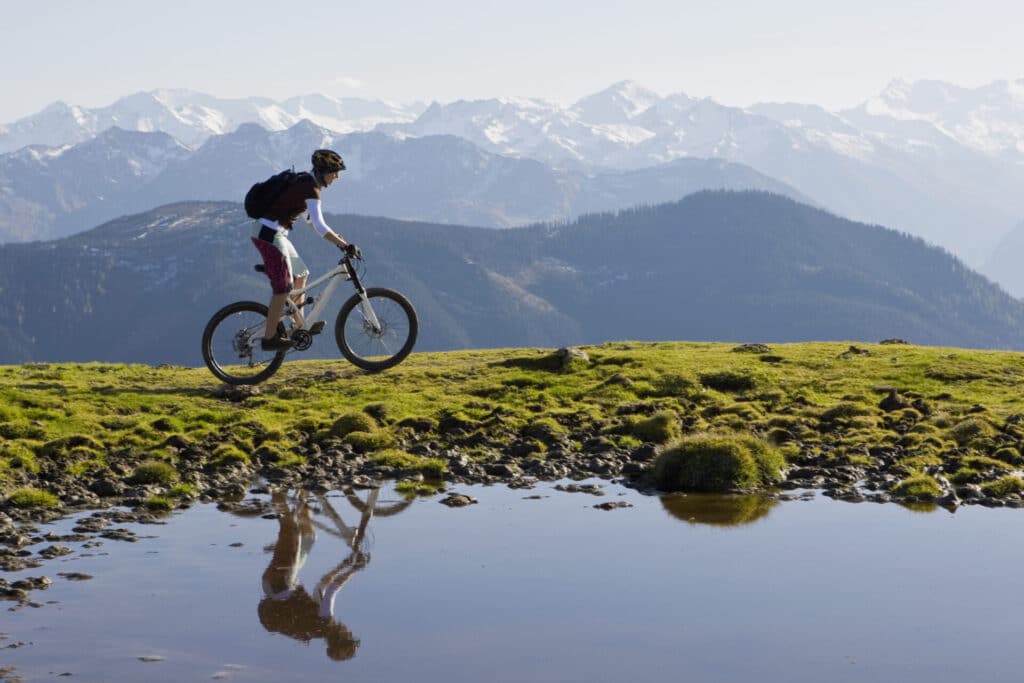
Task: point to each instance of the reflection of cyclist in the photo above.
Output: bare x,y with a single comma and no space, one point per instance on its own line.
283,265
287,608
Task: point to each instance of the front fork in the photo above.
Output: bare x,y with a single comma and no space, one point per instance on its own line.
364,301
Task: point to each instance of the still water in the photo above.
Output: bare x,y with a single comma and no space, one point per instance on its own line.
536,585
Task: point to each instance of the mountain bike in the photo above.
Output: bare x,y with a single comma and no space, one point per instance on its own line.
375,329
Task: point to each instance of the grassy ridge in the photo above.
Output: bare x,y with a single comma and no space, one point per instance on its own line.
951,412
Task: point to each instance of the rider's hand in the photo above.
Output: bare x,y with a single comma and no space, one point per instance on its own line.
352,251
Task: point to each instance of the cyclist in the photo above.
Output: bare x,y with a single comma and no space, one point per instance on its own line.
284,267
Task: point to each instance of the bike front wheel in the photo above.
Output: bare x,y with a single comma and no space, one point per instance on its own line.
231,344
377,346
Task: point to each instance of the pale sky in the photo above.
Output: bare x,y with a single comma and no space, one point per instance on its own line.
832,53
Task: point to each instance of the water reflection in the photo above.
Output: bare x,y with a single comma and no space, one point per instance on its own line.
718,509
287,607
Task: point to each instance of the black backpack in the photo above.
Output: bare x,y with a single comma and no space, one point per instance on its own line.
261,196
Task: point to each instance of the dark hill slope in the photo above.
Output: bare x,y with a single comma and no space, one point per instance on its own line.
718,265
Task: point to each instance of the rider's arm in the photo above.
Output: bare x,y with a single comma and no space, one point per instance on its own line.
316,219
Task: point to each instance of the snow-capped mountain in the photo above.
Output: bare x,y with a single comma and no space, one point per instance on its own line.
52,192
192,117
989,119
909,174
938,161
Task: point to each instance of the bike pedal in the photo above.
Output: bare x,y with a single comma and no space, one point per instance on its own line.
317,327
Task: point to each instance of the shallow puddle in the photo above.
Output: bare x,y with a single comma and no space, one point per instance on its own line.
533,585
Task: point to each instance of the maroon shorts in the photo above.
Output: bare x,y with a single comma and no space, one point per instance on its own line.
276,266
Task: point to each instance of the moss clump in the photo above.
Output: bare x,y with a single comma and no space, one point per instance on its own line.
983,464
411,489
159,504
718,463
32,498
730,381
352,422
845,411
229,454
154,472
64,446
20,430
919,462
545,429
965,475
365,442
1008,455
432,468
658,428
967,431
918,486
182,490
671,384
1003,486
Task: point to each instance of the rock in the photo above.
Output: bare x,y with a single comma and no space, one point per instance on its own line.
458,500
569,356
752,348
502,470
55,551
33,583
893,402
612,505
106,487
120,535
75,576
592,489
894,340
644,453
236,394
970,492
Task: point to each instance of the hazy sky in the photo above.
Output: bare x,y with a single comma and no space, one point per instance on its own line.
737,51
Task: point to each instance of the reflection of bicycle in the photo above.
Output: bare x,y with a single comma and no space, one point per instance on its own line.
287,607
375,329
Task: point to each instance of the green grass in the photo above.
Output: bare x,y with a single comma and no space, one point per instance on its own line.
90,416
432,468
1003,486
32,498
159,504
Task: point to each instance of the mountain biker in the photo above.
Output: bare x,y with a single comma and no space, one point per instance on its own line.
282,263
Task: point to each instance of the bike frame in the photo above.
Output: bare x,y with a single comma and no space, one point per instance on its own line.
344,270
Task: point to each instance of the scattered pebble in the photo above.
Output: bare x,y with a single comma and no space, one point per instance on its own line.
612,505
458,500
592,489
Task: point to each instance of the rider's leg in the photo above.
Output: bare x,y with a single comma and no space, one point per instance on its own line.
274,312
300,282
278,270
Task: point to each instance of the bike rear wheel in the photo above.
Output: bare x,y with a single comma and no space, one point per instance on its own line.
371,348
231,344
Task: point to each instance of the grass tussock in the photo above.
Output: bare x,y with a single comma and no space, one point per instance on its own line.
154,472
718,463
918,486
32,498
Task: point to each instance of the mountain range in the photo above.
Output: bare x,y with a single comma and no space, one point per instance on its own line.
53,192
736,266
928,158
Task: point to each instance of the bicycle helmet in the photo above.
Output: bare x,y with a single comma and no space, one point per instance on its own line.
327,161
